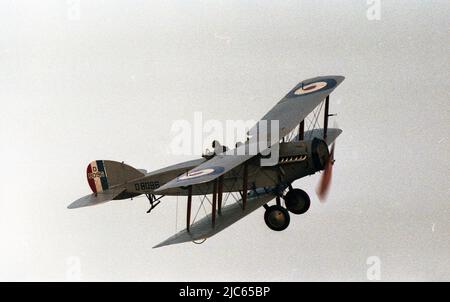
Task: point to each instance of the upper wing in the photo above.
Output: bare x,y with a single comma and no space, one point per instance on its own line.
203,228
299,102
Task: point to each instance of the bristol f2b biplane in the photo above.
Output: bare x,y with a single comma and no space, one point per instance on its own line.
238,174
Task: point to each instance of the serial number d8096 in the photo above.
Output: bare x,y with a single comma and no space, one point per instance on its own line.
146,186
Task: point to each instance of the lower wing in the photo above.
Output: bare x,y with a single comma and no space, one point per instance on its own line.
230,214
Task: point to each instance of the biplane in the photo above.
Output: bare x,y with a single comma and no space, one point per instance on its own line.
224,174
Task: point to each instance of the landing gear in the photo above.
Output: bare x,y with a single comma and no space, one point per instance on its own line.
297,201
276,217
153,201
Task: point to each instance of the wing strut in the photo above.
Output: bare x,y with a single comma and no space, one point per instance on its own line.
244,186
301,131
214,202
189,206
325,117
220,193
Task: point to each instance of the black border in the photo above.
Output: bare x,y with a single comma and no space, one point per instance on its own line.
279,291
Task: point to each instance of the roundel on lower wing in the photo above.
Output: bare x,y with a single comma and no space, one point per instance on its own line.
199,173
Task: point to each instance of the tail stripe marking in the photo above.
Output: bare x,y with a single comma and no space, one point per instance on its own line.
104,176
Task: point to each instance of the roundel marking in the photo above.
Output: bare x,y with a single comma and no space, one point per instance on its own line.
310,88
199,173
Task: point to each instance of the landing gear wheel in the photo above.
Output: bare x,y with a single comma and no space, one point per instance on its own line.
277,218
297,201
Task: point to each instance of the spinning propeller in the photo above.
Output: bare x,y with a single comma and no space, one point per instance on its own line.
325,181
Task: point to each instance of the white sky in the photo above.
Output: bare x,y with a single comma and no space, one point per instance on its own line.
109,86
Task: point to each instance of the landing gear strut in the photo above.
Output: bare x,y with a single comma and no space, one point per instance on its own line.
153,201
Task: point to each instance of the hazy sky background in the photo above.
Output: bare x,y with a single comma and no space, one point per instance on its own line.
109,84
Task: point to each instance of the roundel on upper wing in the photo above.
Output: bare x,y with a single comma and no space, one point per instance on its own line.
199,173
308,88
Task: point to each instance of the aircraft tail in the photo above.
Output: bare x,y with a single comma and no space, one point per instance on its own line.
105,174
107,180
